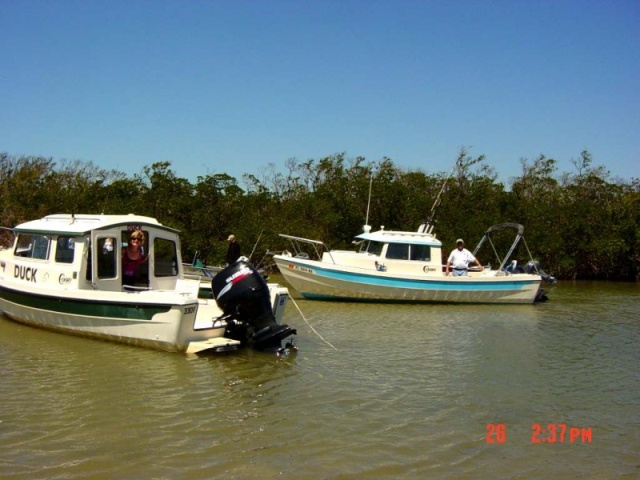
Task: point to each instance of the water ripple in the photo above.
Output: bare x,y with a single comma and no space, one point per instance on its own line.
408,394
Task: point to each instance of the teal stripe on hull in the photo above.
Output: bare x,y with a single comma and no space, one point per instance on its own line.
87,308
426,284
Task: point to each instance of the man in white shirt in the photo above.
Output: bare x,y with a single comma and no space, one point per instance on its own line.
459,259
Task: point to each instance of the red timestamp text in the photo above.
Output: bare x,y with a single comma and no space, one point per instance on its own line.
496,432
560,433
543,433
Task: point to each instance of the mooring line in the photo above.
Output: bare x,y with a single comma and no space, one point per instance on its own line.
310,326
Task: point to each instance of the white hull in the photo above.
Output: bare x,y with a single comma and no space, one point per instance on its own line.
173,328
319,280
184,323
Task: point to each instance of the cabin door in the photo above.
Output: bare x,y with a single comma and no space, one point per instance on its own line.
105,260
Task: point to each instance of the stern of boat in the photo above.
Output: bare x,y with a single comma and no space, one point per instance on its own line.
253,312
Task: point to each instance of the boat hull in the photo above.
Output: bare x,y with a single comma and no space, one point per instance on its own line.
320,280
141,320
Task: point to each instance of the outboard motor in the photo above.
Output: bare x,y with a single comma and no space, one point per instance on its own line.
534,267
243,295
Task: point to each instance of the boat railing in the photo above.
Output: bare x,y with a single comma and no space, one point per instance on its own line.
203,272
299,250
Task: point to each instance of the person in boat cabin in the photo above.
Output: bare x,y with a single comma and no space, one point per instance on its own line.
233,252
459,260
132,257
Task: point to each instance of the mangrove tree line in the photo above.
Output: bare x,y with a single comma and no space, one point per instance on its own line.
580,224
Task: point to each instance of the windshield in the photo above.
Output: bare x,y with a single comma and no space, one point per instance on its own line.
371,247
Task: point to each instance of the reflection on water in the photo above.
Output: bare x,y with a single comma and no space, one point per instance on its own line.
407,394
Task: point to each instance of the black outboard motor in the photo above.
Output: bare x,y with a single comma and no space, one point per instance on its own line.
534,267
243,295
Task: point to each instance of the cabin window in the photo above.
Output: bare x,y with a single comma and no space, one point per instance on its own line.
165,257
373,248
421,253
32,246
65,248
398,251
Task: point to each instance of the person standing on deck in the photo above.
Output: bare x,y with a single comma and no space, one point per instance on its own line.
233,252
459,259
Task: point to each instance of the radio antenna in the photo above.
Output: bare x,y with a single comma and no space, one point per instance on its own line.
366,220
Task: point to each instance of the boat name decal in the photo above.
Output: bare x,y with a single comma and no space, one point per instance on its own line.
291,266
302,269
239,275
235,278
25,273
63,279
428,269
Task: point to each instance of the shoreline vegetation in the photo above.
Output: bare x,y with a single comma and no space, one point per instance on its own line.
580,225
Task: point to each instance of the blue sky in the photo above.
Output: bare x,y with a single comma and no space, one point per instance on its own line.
233,86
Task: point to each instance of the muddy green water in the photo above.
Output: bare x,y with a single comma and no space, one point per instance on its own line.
408,392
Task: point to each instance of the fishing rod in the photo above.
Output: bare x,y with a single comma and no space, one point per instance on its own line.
428,222
256,244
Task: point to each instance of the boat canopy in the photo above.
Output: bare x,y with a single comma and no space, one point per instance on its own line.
504,226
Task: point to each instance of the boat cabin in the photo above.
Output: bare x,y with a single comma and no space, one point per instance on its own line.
402,251
85,252
384,250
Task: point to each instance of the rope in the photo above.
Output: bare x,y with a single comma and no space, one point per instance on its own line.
307,322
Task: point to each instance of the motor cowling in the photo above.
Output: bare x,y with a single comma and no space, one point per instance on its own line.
243,295
534,267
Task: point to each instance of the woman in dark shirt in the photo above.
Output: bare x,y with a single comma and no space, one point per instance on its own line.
132,257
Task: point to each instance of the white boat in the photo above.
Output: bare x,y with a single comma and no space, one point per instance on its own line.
64,273
402,266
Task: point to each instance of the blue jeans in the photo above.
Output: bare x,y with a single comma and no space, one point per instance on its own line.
459,272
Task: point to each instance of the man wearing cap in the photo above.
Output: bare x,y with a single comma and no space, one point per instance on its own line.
460,259
233,252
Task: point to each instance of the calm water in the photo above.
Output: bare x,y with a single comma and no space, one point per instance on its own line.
408,392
